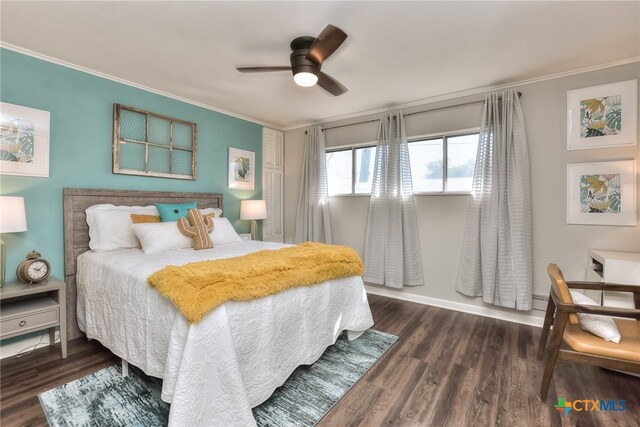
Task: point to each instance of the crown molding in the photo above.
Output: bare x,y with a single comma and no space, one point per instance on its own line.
465,93
86,70
423,101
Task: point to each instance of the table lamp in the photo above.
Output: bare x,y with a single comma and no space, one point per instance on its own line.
253,210
13,219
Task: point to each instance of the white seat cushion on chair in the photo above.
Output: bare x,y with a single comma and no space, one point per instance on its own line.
602,326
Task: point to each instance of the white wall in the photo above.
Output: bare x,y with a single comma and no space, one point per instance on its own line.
441,218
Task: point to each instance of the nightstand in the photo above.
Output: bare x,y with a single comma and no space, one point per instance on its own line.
29,308
245,236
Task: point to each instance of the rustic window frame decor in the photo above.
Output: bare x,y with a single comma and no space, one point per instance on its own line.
170,147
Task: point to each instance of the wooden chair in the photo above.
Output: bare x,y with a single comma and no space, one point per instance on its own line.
584,347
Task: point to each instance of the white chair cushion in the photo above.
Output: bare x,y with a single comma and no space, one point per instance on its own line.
602,326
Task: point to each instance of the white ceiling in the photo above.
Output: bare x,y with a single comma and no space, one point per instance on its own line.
396,53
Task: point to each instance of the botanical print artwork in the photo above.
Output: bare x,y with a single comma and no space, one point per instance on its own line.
17,139
600,193
601,116
242,169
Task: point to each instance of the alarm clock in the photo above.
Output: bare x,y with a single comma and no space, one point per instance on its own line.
33,269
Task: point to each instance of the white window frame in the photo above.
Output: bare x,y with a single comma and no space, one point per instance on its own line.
439,135
445,148
353,149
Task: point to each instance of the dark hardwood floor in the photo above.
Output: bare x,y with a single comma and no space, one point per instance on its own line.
447,369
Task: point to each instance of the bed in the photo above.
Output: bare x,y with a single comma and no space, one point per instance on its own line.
214,371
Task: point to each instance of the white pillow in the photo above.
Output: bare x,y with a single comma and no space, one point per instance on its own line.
157,237
223,232
110,226
602,326
216,211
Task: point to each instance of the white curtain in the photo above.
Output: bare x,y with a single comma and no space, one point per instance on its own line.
312,221
496,260
392,248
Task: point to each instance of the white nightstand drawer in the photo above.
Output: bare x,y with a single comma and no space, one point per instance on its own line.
245,236
26,308
28,315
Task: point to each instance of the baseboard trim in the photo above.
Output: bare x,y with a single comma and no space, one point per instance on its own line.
524,319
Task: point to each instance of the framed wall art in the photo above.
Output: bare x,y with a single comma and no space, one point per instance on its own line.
242,169
602,193
602,116
24,141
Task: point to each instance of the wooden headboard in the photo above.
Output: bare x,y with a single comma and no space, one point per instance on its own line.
76,229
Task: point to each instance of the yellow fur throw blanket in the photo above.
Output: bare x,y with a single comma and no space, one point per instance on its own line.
199,287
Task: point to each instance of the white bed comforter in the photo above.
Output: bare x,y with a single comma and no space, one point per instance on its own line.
214,372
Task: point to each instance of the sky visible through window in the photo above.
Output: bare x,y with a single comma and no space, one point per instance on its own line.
339,164
426,165
365,161
461,161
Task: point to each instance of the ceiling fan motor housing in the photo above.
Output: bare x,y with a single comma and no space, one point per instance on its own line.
300,64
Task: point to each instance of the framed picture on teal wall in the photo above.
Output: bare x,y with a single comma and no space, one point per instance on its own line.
24,141
242,169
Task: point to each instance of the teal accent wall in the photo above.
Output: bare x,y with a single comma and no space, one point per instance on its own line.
81,107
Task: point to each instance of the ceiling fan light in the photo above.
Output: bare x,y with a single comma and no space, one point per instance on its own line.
305,79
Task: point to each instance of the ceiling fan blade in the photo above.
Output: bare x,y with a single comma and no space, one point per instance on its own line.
332,86
325,44
262,69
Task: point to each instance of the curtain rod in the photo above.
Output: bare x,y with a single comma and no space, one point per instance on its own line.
410,114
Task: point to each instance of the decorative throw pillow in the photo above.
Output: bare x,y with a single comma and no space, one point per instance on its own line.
215,212
158,237
602,326
224,232
141,219
170,212
198,228
144,219
110,226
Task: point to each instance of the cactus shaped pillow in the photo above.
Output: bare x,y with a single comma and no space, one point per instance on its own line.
197,227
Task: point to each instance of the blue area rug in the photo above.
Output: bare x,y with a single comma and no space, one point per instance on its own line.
104,398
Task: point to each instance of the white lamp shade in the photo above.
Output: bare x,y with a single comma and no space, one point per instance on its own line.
253,209
13,218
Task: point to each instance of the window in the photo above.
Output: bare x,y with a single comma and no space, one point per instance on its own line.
350,170
426,165
340,167
339,175
461,161
365,161
429,156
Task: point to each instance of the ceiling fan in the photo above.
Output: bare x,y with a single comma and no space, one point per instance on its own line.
306,60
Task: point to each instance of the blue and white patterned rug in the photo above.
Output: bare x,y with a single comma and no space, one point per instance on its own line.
104,398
